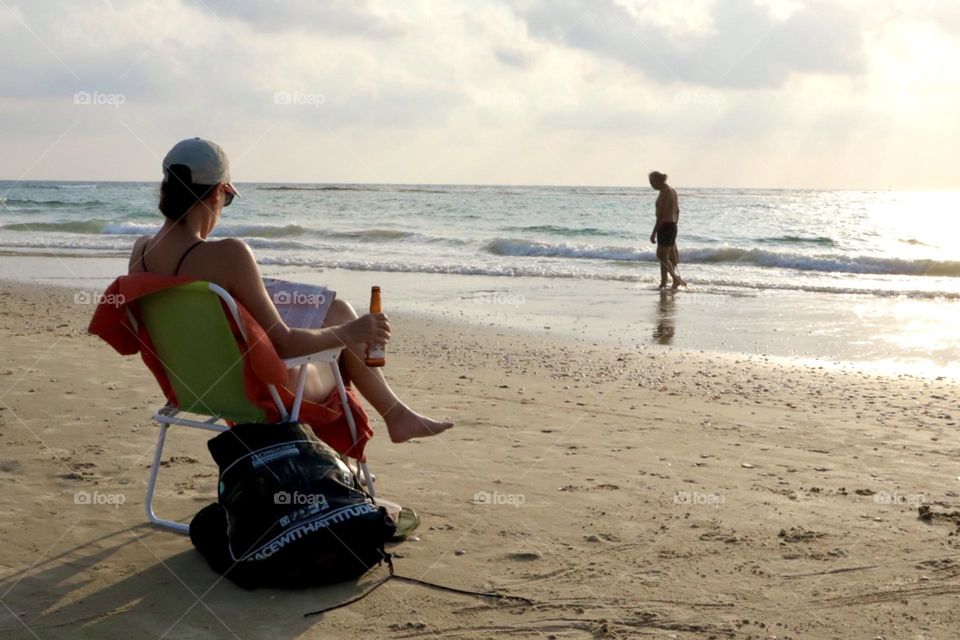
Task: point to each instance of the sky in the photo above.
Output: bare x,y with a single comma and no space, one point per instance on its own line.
849,94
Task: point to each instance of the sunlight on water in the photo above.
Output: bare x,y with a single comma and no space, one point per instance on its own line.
917,225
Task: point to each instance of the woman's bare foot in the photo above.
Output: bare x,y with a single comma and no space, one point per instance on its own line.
403,423
678,282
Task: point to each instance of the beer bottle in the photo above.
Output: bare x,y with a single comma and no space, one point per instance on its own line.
376,355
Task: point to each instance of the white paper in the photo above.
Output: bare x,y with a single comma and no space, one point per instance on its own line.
301,306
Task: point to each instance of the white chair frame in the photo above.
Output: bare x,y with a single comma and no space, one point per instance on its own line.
168,415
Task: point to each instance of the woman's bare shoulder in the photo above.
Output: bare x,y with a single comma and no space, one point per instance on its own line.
136,252
231,262
234,248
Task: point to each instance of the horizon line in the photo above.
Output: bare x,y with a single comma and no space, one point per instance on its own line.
519,185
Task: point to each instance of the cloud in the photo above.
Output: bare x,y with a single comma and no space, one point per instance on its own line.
506,90
514,57
329,17
177,63
745,46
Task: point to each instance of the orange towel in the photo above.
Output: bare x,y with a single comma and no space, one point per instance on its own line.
261,366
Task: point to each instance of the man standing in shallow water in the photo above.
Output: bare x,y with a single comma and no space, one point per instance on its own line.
665,231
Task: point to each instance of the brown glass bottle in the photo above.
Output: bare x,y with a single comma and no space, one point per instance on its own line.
376,354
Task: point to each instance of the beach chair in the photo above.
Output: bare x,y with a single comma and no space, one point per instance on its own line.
192,337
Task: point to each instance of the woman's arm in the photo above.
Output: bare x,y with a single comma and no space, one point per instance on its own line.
245,283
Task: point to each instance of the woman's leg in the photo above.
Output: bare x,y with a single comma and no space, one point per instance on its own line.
403,423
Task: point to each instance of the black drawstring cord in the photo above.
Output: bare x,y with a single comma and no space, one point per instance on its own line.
389,560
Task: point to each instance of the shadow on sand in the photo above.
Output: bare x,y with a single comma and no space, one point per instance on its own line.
99,588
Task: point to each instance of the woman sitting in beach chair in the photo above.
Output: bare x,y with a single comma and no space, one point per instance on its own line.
195,189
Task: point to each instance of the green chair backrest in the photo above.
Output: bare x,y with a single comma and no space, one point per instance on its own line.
192,338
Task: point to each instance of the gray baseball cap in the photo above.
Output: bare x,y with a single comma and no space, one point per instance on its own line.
207,162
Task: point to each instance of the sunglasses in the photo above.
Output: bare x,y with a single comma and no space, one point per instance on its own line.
228,195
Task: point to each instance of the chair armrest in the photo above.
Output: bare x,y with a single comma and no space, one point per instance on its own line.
328,356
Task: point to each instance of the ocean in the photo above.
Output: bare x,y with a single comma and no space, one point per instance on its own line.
883,243
834,248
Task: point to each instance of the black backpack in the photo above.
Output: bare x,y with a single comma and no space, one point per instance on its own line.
290,513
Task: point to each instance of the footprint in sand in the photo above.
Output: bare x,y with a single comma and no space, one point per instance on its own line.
524,556
602,537
799,534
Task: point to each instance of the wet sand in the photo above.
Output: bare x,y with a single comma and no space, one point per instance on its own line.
627,492
887,334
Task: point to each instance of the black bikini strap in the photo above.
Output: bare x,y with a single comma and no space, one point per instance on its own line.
185,254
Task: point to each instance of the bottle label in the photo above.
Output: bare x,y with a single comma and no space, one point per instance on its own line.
376,352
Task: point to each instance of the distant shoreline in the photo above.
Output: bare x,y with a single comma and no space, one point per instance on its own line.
809,329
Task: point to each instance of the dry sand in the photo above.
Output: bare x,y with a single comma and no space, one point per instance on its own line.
627,494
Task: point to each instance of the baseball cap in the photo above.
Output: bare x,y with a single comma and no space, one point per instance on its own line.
207,162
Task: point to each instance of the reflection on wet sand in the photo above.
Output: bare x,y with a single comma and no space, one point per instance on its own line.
666,325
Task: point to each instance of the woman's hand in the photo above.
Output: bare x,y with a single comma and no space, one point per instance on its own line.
371,328
653,237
